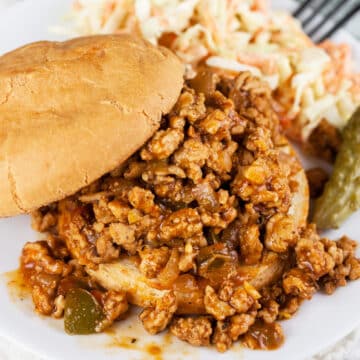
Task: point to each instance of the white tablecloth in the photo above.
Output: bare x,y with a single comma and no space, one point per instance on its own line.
347,349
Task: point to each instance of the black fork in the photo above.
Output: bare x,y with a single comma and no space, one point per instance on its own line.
329,9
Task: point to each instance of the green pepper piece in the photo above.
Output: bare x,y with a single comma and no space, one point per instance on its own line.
83,314
341,195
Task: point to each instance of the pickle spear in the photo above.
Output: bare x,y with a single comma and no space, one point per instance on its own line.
341,196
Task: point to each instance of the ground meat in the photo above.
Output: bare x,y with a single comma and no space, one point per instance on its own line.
354,268
79,237
183,224
216,307
300,283
348,246
123,235
159,173
227,289
324,141
334,250
228,332
311,255
346,264
196,331
337,278
317,178
191,157
43,273
280,233
213,122
36,257
102,212
269,311
143,200
163,144
57,246
157,319
43,219
105,246
191,106
119,209
114,305
250,245
240,324
199,221
268,187
153,260
241,301
290,307
221,338
220,157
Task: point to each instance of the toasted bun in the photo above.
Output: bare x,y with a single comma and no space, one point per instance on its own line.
300,198
72,111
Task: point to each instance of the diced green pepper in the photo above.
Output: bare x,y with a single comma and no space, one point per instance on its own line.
83,314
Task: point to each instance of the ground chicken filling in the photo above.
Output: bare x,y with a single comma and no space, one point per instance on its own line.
198,228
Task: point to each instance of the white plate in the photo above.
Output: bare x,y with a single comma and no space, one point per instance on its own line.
319,323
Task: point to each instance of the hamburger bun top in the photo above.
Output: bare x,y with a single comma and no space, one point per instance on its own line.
72,111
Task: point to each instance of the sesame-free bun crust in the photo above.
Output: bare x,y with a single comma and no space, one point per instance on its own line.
72,111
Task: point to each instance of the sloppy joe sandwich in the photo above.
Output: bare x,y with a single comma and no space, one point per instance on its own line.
184,199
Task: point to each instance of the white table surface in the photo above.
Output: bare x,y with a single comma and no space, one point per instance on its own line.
347,349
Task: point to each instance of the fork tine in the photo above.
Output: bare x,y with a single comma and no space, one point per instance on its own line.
349,14
314,12
327,16
301,8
